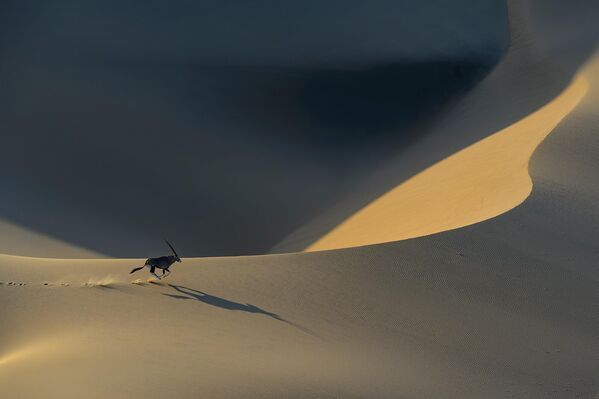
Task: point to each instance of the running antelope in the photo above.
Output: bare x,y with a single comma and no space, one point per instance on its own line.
163,262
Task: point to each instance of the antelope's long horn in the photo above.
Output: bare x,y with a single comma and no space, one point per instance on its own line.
172,249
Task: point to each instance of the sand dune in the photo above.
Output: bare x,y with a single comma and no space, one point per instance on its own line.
526,80
146,132
17,239
506,307
481,181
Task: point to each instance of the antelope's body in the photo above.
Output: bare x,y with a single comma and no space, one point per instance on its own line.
163,262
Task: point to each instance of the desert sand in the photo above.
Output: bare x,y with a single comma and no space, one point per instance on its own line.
465,267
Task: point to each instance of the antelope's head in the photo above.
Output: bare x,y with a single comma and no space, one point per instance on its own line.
174,252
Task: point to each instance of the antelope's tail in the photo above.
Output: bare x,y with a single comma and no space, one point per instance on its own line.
136,269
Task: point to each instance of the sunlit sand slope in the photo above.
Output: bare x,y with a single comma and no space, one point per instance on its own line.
479,182
416,319
262,327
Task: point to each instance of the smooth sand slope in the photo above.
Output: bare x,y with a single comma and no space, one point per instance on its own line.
498,309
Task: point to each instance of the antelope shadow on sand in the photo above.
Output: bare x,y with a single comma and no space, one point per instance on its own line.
190,293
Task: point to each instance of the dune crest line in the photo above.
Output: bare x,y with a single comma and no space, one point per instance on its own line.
479,182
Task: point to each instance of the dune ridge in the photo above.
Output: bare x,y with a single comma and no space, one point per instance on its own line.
479,182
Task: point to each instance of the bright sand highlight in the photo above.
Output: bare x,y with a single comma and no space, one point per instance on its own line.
479,182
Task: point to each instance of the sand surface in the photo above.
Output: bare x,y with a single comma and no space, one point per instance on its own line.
506,307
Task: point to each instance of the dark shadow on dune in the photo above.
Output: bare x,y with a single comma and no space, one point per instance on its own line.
354,107
200,153
112,152
105,287
190,293
325,110
165,125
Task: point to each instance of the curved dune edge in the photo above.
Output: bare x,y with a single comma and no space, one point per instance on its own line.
481,181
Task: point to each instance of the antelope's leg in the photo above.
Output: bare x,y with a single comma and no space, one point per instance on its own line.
153,271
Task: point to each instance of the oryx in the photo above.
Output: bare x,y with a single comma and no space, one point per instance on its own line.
163,262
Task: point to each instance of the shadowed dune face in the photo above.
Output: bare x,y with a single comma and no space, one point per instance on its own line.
223,142
204,165
311,34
